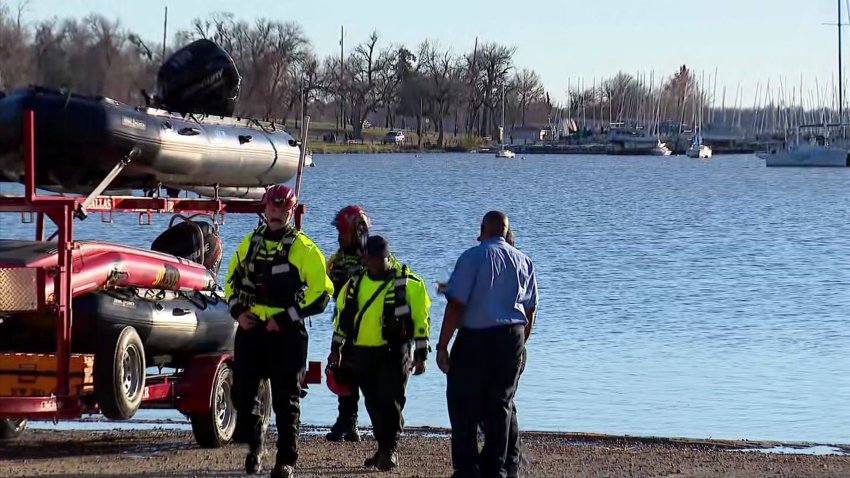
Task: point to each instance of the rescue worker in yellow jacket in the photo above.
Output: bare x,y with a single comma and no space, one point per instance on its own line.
275,280
383,313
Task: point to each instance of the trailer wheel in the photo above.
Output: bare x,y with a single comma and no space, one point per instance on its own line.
262,407
11,429
265,402
119,372
215,428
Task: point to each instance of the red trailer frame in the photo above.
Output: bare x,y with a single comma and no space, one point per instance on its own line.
187,395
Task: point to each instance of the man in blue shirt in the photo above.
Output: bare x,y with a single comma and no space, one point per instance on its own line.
492,298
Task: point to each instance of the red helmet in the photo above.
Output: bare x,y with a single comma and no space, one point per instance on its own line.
336,380
347,217
280,194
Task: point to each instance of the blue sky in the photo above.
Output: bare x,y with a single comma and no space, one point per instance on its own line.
747,41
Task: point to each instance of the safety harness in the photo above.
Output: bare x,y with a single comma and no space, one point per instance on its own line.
396,321
267,279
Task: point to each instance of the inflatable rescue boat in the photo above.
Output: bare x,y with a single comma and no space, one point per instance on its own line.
184,136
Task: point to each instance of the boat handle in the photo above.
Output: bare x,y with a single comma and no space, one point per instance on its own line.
245,138
189,131
179,311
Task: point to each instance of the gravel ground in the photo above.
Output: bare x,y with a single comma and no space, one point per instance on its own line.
424,453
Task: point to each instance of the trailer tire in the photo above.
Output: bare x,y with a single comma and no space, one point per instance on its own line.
265,403
11,429
119,372
215,428
262,407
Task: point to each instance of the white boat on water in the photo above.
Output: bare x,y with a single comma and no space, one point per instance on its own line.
503,152
697,149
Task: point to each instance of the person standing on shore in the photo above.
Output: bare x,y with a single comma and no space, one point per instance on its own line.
348,262
275,279
383,313
492,299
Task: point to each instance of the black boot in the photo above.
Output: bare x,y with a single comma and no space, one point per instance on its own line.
372,461
283,471
340,432
253,463
387,459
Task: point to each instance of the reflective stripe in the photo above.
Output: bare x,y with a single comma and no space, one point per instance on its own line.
280,268
338,339
402,281
251,267
421,344
289,240
293,314
402,309
247,281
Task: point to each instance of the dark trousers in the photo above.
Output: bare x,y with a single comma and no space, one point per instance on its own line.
514,457
483,372
282,358
382,373
347,418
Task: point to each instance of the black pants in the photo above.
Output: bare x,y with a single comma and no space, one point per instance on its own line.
382,373
514,457
483,372
347,418
281,357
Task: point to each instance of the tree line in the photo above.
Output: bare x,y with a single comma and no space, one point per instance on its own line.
427,86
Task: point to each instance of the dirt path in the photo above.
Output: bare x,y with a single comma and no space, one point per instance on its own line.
147,454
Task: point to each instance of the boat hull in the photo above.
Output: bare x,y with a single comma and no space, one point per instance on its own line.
808,157
79,139
172,328
702,152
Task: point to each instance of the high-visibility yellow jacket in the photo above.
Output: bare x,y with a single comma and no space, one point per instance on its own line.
369,333
279,275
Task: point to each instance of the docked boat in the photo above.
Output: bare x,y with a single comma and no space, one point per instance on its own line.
697,149
808,155
636,145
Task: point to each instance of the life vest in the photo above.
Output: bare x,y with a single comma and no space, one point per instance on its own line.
266,277
344,267
396,320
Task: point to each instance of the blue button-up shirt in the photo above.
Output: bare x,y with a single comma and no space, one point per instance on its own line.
496,284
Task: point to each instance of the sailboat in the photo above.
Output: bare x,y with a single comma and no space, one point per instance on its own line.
503,152
697,149
819,150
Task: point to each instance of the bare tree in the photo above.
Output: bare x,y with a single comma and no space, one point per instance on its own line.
496,64
362,83
528,89
440,70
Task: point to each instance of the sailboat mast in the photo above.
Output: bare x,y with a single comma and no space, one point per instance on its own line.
840,76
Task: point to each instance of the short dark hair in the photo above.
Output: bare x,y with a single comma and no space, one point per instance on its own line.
377,246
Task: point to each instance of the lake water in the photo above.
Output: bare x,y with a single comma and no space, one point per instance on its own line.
678,297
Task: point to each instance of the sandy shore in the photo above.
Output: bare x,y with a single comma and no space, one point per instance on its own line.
424,453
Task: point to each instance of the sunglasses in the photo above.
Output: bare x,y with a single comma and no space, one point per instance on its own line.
278,202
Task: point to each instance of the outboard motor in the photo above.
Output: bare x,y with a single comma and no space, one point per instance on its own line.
197,241
199,78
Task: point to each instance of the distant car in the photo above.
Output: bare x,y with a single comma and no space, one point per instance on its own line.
394,137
